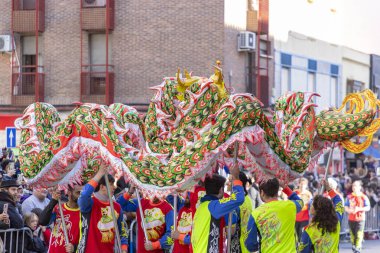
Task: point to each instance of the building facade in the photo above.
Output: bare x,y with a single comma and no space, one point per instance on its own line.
109,51
106,51
306,64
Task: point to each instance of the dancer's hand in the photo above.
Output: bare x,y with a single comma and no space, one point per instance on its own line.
148,245
175,234
234,171
101,172
69,248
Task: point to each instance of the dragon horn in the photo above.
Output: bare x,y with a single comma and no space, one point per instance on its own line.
312,95
178,78
187,75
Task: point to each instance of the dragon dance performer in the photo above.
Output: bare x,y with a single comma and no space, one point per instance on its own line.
182,234
71,213
274,220
98,228
322,235
302,218
212,214
158,215
243,213
356,205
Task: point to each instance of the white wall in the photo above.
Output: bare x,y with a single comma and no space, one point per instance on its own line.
302,49
356,66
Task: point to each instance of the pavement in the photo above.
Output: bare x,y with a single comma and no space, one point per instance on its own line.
369,246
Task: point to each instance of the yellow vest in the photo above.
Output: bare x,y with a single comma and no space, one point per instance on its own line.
245,212
329,242
276,221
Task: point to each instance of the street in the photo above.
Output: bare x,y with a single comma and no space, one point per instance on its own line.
372,246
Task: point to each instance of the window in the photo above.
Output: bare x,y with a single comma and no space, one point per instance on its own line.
333,91
97,46
285,80
29,61
311,82
354,86
28,4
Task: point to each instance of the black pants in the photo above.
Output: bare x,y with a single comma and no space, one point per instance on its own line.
356,233
299,227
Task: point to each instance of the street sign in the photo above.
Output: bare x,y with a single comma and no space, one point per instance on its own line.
11,137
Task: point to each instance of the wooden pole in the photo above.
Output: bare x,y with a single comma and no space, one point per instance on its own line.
229,234
142,215
118,241
63,222
327,167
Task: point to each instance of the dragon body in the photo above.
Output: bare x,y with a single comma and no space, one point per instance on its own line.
190,128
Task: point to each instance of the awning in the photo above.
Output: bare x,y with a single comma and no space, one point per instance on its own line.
7,120
372,151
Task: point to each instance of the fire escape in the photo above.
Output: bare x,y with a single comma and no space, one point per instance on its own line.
97,74
258,22
27,22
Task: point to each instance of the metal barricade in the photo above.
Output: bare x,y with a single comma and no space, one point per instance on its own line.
12,240
132,242
372,221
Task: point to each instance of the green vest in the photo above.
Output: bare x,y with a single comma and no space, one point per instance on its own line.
245,211
204,226
329,242
276,221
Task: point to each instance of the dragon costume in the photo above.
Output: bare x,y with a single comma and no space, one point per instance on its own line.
190,128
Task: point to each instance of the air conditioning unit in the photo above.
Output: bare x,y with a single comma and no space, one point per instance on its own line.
94,3
246,41
5,43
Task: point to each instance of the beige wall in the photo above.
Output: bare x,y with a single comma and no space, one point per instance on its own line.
356,66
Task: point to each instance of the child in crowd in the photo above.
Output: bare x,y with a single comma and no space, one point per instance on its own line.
33,242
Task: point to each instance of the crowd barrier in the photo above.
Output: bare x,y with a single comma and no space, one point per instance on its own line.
12,240
372,221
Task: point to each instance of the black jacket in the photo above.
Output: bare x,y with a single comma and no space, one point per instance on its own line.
16,222
32,243
15,216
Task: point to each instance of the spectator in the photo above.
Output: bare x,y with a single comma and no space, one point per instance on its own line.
9,171
33,242
3,154
8,197
37,200
253,192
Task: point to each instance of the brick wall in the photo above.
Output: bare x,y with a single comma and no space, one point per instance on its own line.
5,74
235,62
62,51
150,40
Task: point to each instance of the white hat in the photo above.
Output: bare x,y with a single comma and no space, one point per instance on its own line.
332,182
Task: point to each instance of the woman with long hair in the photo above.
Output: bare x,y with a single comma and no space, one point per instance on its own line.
322,234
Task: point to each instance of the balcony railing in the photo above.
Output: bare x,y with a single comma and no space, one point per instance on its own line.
98,15
27,85
28,16
95,86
